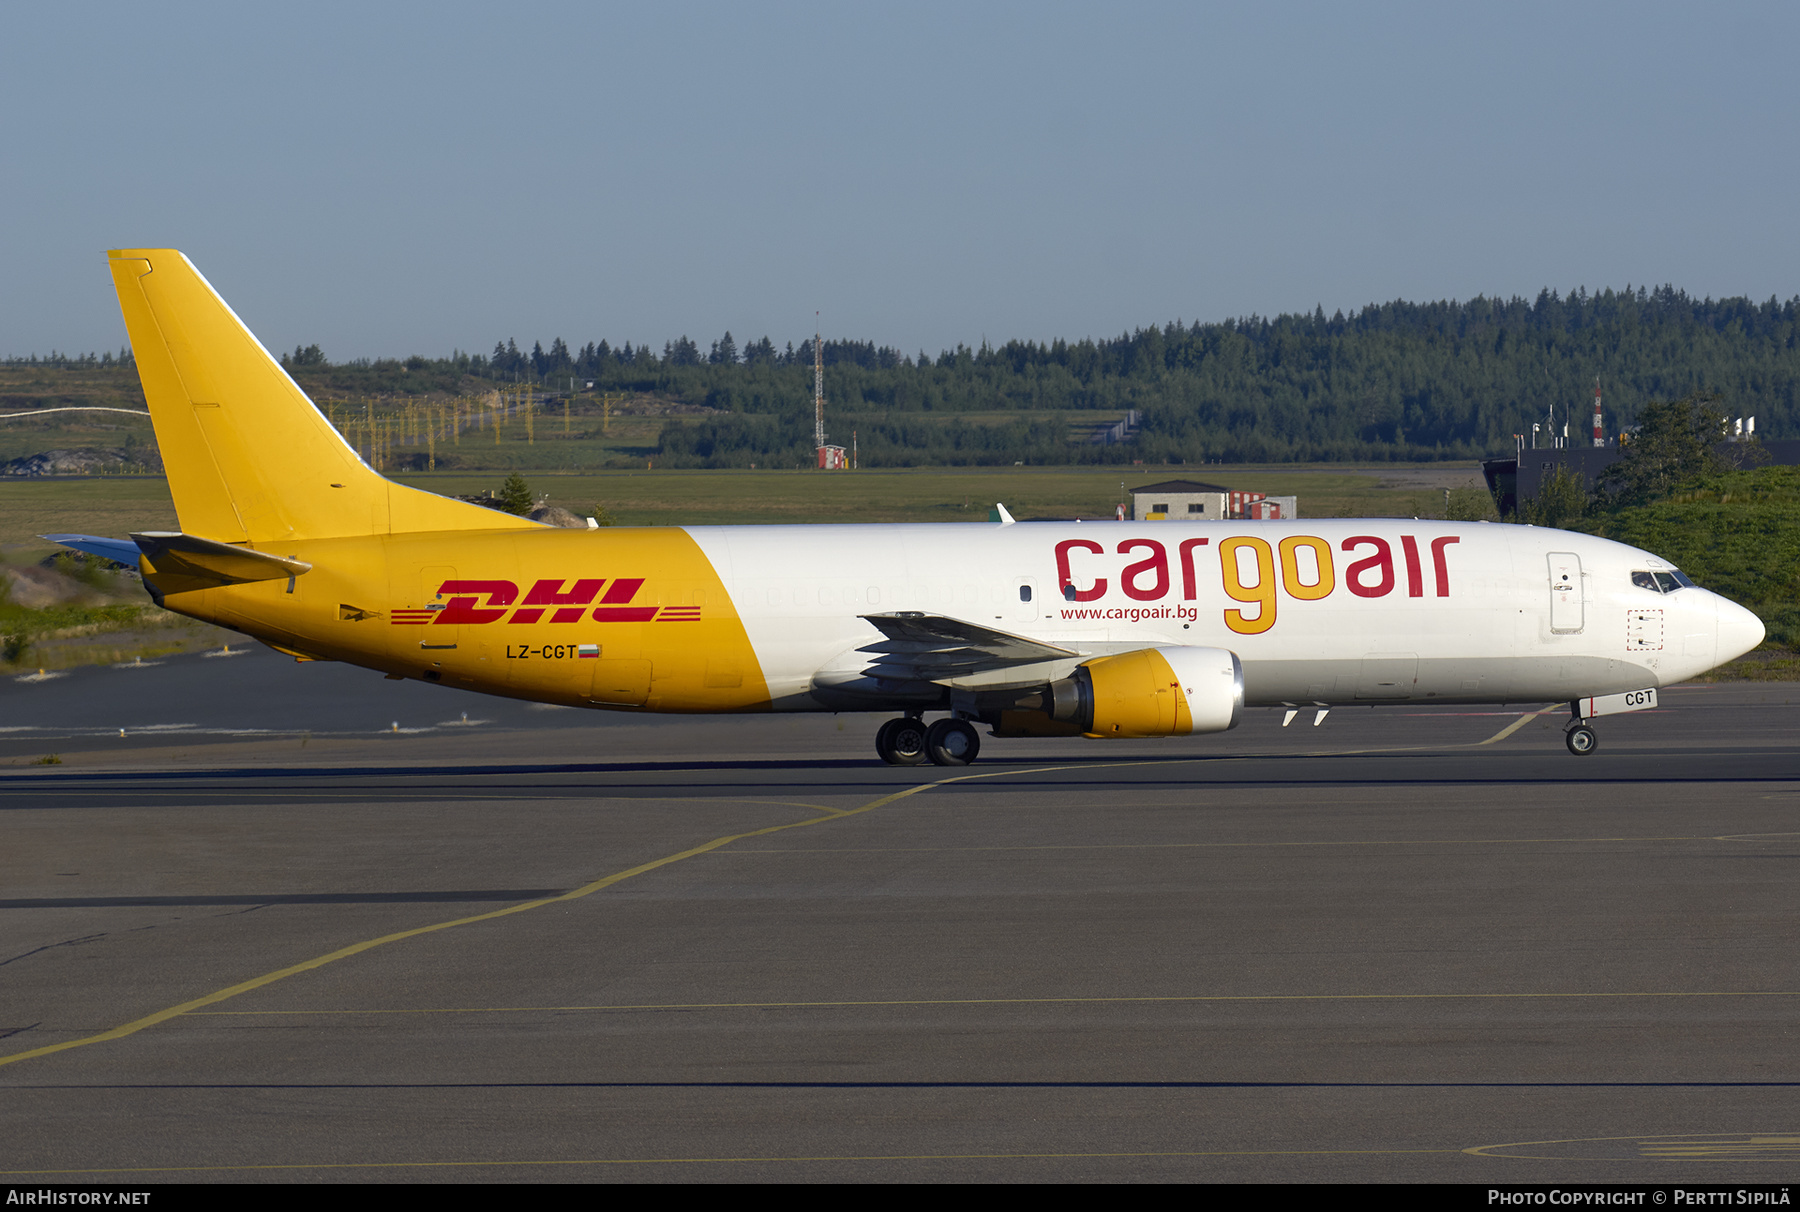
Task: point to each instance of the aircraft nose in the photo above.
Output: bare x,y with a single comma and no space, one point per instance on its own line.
1739,631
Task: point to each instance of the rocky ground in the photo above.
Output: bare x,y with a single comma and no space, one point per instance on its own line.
69,610
82,461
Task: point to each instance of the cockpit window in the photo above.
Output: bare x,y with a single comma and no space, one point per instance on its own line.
1660,582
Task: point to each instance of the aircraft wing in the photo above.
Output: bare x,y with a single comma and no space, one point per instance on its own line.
919,647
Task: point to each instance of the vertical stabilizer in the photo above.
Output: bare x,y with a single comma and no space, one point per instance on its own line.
249,458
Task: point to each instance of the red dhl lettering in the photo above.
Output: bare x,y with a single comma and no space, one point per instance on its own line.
612,608
461,609
477,602
550,593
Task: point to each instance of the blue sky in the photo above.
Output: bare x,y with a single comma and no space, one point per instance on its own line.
395,179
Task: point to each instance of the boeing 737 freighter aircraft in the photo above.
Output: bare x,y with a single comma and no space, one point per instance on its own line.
1100,629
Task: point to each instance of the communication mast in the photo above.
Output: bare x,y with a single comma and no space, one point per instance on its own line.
831,458
818,392
1599,438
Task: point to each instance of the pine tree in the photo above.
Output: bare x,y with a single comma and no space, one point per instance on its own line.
1676,441
515,495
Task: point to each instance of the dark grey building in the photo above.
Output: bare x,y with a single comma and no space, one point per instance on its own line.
1514,480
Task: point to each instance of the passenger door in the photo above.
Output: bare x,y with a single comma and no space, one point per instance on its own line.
1566,615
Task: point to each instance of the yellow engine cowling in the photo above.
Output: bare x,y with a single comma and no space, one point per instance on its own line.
1155,692
1151,692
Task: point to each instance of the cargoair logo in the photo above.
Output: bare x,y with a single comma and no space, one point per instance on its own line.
547,602
1259,577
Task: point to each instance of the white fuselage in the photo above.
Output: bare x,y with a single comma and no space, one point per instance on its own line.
1361,610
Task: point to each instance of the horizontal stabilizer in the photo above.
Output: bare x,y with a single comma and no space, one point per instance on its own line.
191,558
120,551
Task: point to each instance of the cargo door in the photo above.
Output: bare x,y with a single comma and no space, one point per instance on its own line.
620,683
439,635
415,609
1566,612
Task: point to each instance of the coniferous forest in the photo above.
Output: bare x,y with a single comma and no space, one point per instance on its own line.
1395,381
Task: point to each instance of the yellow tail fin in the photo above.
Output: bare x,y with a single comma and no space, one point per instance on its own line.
249,458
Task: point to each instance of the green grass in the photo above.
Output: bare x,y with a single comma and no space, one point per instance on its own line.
683,497
113,506
109,620
28,388
1766,664
117,505
1737,534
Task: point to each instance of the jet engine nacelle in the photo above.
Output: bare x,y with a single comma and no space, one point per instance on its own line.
1150,692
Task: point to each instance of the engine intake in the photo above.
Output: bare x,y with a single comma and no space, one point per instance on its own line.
1171,691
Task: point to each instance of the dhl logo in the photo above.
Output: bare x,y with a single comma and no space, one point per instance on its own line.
490,601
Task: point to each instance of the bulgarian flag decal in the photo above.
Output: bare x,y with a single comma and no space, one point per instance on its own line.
588,650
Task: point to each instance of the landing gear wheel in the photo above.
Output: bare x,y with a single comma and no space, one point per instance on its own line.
952,743
1581,740
901,742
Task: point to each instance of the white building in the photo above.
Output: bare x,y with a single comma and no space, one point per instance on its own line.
1191,501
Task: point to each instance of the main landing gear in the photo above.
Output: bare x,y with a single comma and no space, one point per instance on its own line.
908,742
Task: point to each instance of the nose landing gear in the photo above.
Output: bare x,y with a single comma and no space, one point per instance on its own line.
1579,736
908,742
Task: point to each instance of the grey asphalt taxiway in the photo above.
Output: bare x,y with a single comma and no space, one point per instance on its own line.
298,923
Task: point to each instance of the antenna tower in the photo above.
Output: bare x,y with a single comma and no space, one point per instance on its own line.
831,458
818,391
